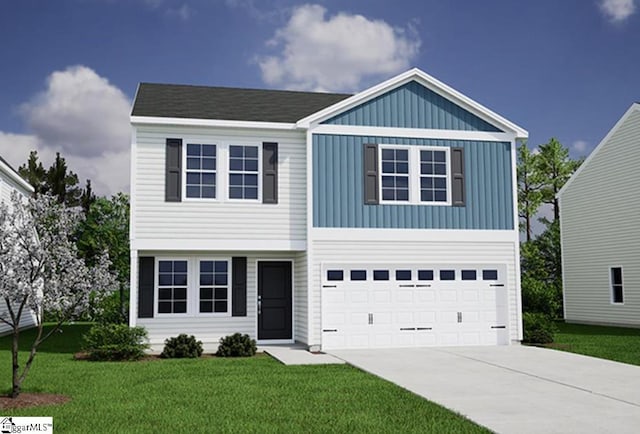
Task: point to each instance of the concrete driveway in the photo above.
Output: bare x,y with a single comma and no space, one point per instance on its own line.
515,389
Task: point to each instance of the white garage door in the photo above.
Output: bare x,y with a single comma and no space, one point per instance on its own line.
387,306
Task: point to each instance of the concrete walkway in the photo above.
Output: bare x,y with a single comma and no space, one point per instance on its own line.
298,355
515,389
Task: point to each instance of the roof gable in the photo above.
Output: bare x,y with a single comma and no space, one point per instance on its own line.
224,103
13,174
631,115
412,105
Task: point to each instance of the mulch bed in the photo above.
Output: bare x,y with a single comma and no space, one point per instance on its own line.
25,400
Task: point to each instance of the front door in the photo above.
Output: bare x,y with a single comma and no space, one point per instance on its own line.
274,300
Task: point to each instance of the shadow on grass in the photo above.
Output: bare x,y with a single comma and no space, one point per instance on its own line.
66,340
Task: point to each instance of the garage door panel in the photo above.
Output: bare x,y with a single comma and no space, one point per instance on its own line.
422,311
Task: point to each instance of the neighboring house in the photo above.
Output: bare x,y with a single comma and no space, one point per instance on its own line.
11,181
382,219
599,215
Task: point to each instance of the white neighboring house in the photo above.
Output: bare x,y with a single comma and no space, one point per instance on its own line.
600,230
382,219
11,181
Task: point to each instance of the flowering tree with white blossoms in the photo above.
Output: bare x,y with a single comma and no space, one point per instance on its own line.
40,270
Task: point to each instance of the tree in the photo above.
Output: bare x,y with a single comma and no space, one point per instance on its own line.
87,198
555,167
34,173
529,185
41,270
63,184
106,228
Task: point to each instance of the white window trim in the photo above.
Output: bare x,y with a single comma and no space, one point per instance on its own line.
611,298
414,174
193,287
222,170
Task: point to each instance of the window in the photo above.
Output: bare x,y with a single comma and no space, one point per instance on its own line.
193,286
468,274
201,171
403,274
358,274
243,172
172,286
489,274
214,287
380,274
415,174
395,174
617,295
425,274
335,275
447,275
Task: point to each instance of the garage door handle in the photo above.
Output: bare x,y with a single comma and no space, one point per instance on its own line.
498,327
423,286
407,328
329,286
407,286
496,284
330,330
425,328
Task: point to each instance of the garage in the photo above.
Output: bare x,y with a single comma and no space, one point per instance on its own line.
413,305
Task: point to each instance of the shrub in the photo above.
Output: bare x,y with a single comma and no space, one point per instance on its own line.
109,310
538,328
115,342
236,345
182,346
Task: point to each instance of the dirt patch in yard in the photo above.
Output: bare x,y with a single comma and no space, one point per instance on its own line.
25,400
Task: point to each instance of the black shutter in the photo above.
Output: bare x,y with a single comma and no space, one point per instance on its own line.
269,173
173,171
239,286
146,278
457,177
370,158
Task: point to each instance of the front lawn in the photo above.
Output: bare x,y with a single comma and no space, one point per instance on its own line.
219,395
613,343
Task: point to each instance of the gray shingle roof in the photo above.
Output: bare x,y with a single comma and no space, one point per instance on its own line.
225,103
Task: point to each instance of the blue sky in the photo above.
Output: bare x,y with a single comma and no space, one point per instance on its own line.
567,69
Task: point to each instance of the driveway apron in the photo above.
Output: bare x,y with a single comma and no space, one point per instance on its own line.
515,389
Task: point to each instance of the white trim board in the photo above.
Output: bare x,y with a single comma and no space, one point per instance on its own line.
417,235
191,122
204,245
350,130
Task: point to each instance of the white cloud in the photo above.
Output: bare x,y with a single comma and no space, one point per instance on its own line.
580,146
617,10
335,53
86,119
184,12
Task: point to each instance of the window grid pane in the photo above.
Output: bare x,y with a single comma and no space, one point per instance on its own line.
243,172
201,171
214,286
172,286
433,176
395,174
616,285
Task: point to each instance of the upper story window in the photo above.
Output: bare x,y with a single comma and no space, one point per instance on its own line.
617,295
201,171
414,174
243,172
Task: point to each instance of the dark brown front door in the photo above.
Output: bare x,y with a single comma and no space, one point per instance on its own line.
274,300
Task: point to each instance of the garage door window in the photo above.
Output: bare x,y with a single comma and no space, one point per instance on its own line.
447,274
425,274
358,274
380,274
403,274
468,274
335,275
489,274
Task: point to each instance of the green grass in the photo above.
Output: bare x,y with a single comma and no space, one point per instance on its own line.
219,395
613,343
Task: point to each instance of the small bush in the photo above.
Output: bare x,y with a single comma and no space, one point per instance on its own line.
182,346
115,342
538,328
236,345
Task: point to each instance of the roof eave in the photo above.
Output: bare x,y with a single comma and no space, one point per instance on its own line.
220,123
15,176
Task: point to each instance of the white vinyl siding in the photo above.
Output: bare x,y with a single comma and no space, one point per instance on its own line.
414,252
209,328
249,220
599,213
300,299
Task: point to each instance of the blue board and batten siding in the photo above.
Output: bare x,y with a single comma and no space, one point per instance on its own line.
412,106
338,187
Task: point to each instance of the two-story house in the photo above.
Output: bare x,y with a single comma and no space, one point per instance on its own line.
387,218
11,181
